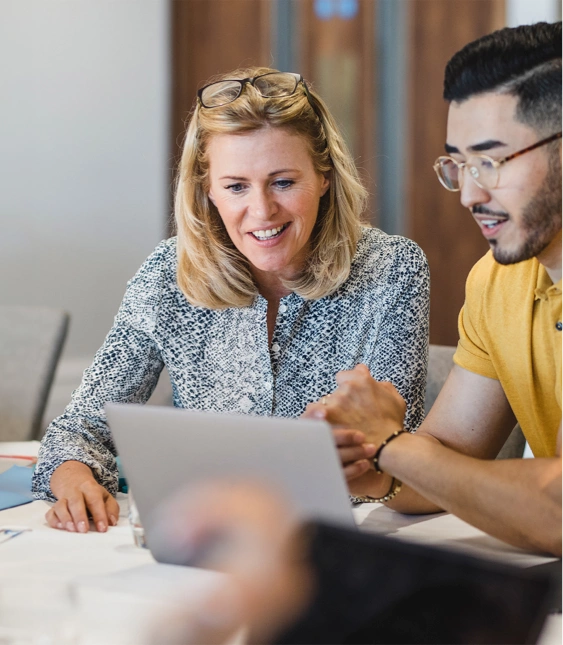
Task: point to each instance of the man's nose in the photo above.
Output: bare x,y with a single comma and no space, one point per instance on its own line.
471,194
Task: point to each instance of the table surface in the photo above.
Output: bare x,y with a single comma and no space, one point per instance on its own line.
110,577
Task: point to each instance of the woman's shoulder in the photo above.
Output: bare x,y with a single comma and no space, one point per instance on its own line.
378,251
159,264
145,290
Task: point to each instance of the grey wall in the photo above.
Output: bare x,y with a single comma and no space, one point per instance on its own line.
83,153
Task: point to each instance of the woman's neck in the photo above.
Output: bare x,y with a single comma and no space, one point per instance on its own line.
270,286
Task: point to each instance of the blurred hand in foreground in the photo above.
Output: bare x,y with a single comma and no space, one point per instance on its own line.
247,532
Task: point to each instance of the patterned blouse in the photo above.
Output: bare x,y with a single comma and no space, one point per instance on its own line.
220,360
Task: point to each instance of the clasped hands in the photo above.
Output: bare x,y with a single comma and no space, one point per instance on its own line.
363,412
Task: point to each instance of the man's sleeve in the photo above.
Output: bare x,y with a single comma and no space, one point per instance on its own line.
472,353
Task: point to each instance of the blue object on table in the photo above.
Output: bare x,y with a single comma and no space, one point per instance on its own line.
122,484
15,487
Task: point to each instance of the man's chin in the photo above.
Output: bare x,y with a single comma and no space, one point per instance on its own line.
514,256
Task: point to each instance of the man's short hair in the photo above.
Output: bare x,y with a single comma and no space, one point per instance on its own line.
522,61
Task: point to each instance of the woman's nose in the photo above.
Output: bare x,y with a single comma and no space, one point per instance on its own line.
262,204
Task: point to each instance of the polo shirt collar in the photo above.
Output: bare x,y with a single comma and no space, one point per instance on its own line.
544,286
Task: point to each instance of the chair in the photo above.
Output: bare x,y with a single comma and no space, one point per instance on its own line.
31,340
439,365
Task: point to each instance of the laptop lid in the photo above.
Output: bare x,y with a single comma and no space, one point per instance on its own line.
163,449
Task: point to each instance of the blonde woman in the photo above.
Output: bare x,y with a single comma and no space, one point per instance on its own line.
270,288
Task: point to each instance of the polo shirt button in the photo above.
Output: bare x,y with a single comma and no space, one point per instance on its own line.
283,308
558,326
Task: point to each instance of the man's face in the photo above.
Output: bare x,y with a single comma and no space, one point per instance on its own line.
521,217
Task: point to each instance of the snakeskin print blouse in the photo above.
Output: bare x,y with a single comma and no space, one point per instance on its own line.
220,360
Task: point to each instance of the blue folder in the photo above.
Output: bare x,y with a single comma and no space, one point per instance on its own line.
15,487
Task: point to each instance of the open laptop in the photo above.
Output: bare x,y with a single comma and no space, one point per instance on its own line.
163,449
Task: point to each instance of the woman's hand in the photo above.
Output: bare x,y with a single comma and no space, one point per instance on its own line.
78,494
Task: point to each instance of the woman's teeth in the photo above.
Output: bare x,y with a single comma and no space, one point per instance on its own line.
268,233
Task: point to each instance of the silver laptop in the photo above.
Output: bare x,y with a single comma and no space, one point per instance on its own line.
163,449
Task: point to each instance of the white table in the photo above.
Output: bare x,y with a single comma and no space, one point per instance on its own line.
113,579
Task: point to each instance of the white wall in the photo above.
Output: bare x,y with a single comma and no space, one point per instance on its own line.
526,12
83,154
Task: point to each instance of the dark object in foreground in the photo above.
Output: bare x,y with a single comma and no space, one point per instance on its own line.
373,589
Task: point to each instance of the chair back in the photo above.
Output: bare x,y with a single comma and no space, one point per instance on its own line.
31,340
440,362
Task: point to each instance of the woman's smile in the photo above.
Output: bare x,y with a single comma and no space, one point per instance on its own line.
270,234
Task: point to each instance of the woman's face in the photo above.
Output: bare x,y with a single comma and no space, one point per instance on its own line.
267,192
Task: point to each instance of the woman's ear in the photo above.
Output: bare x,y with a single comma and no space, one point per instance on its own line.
326,183
210,197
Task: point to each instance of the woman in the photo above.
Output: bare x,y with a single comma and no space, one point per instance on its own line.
270,288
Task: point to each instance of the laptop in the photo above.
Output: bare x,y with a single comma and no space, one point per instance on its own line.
163,449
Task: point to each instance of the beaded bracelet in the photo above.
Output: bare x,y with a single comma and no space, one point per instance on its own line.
393,491
378,453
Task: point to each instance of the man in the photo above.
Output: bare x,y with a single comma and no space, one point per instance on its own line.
503,150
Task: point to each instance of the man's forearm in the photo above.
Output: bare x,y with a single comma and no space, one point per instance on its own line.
516,500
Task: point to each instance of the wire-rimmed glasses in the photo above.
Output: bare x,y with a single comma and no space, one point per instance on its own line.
270,85
483,169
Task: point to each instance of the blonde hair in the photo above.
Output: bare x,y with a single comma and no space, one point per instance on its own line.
211,271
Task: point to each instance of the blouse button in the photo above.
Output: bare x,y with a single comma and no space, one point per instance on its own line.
283,308
267,386
558,325
275,347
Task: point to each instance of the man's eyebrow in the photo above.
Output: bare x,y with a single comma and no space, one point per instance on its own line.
478,147
486,145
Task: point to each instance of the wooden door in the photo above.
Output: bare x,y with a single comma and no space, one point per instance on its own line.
435,218
336,45
211,37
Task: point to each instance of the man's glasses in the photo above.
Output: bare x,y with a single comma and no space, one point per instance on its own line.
483,170
270,85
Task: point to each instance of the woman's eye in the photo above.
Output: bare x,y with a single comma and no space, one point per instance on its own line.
235,188
284,183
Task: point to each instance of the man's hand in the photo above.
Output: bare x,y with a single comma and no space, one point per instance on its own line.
78,494
362,403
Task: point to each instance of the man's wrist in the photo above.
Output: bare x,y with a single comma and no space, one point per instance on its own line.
382,446
389,454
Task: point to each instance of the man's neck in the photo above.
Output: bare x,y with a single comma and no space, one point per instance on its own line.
550,257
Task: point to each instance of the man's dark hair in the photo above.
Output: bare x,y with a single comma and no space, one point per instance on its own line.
522,61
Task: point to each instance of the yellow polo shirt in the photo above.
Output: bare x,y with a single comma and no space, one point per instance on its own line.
510,330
